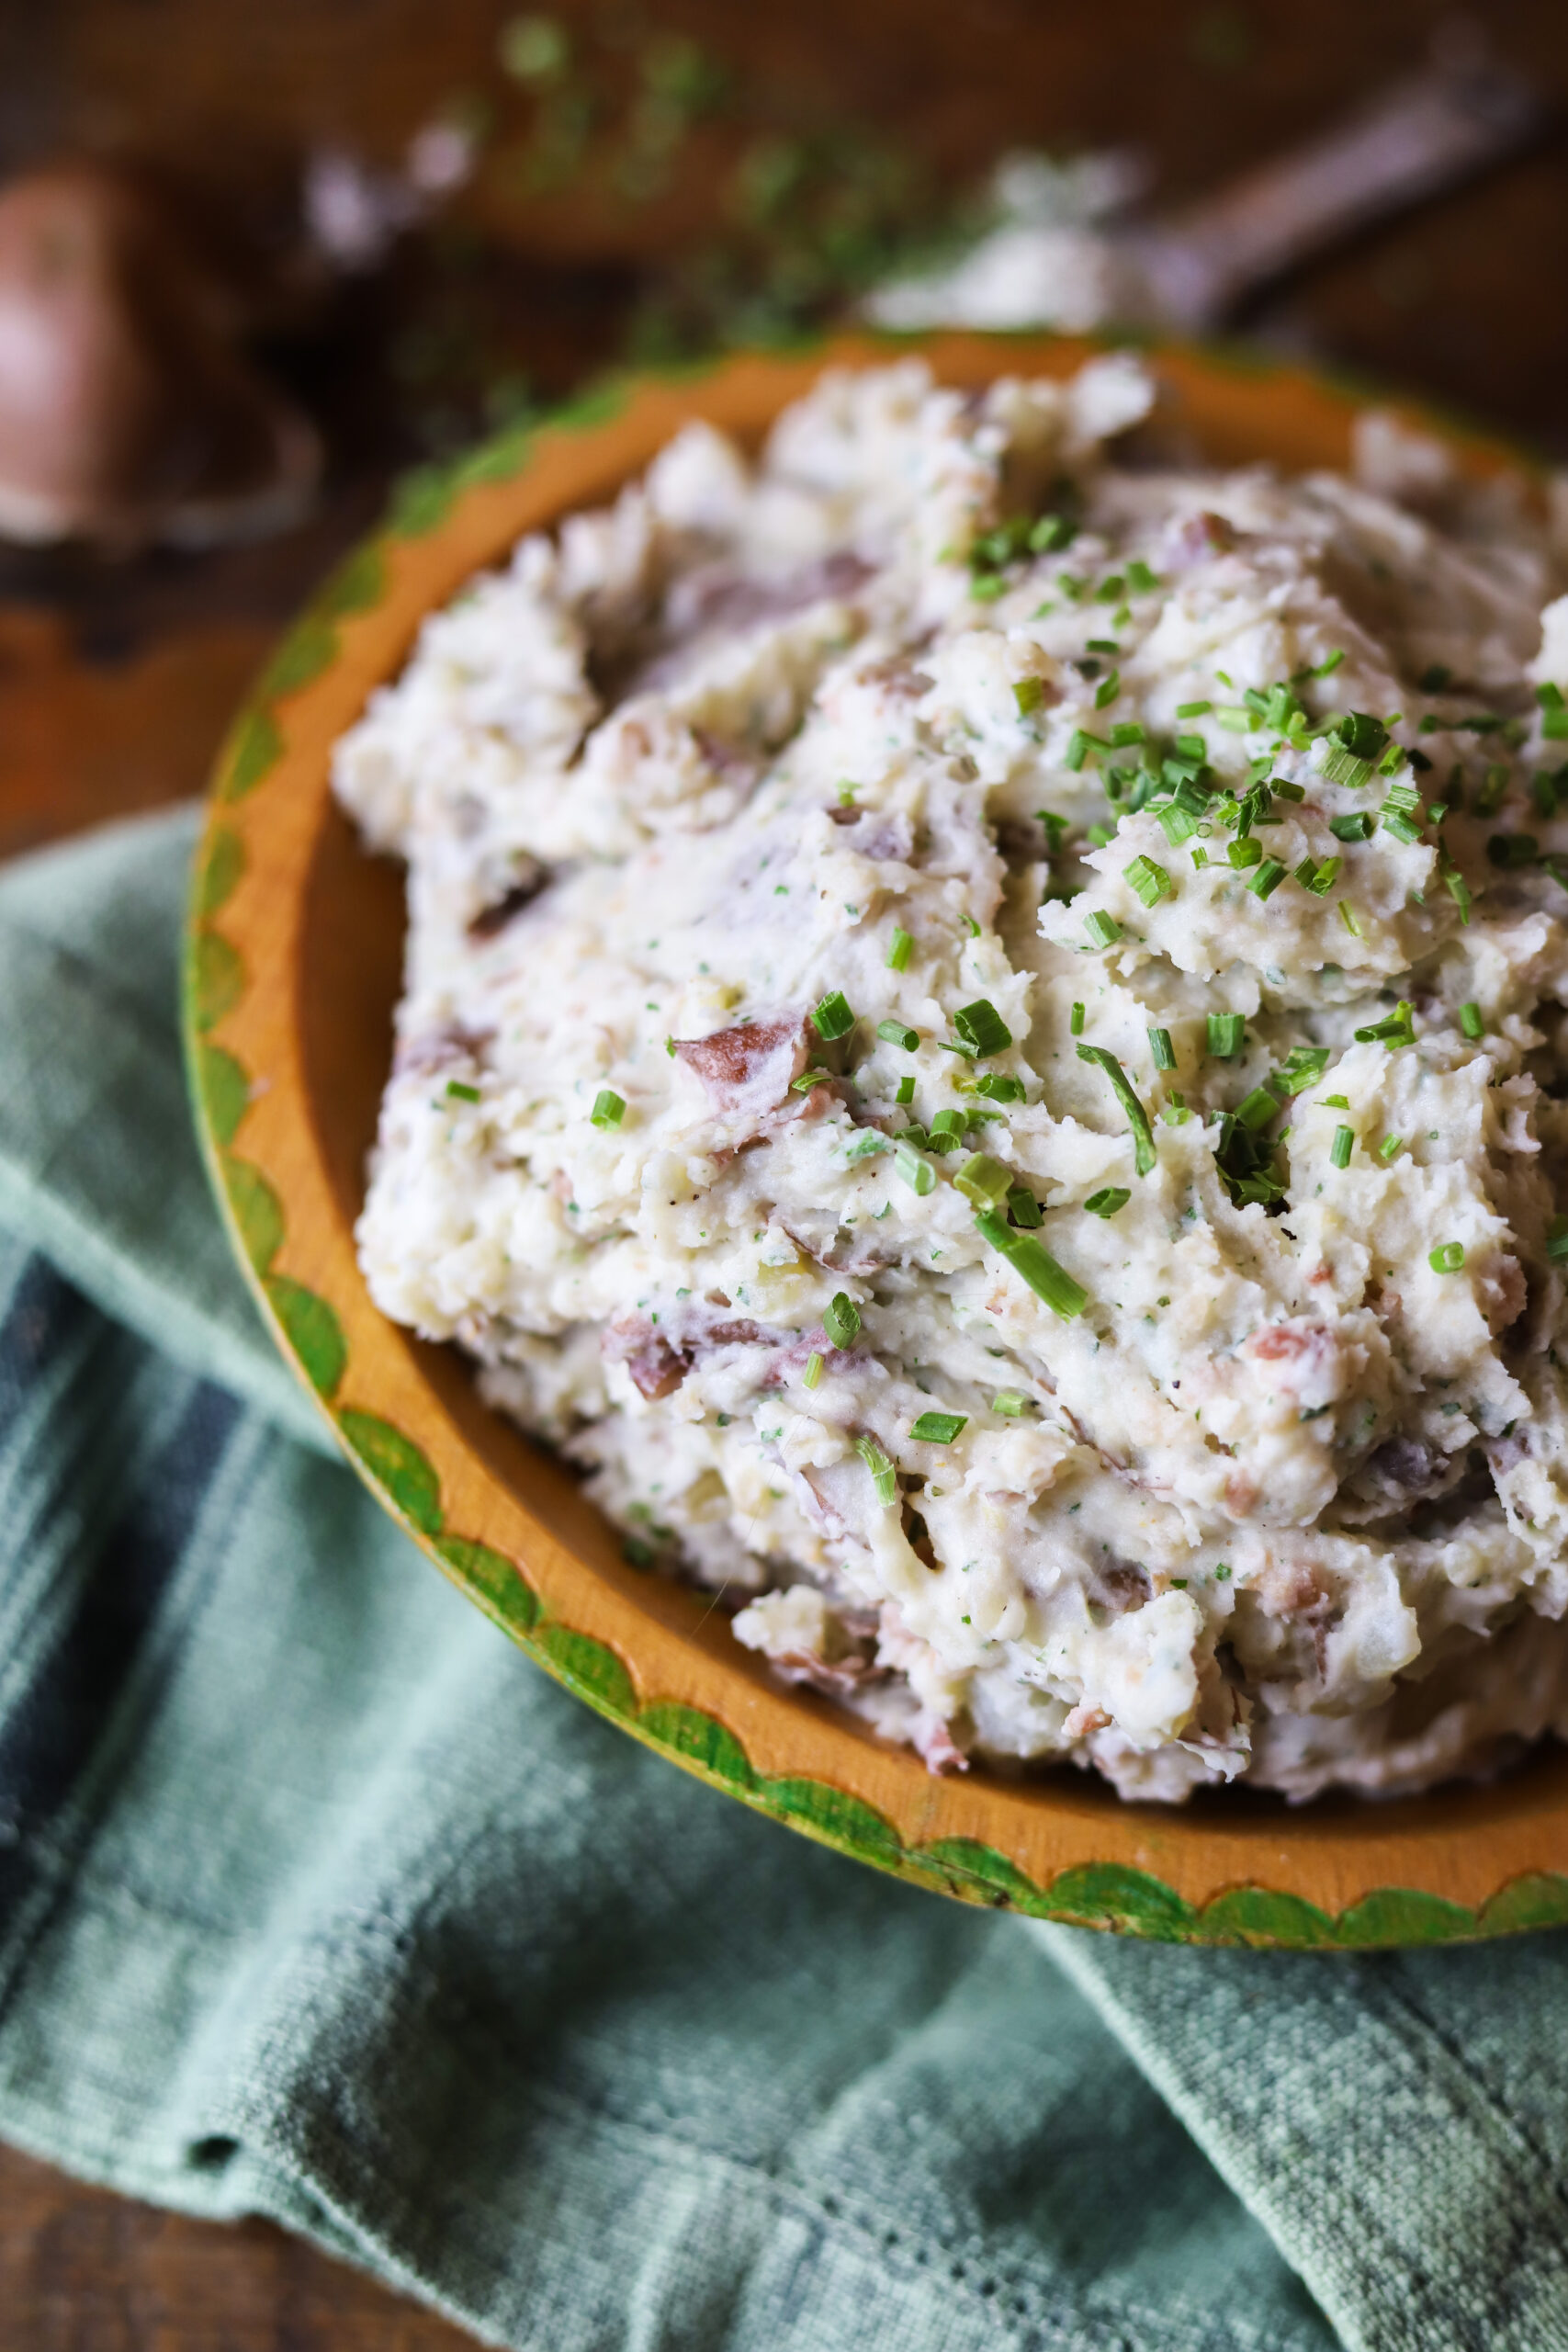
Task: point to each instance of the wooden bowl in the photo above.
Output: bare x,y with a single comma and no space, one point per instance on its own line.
293,959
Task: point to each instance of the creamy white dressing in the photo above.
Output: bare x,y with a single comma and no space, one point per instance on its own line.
1260,1475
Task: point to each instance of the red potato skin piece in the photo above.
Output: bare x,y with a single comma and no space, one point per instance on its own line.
749,1067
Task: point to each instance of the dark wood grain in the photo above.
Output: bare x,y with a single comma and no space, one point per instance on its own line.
82,2271
114,681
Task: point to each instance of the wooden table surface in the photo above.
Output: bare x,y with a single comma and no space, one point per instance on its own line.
116,679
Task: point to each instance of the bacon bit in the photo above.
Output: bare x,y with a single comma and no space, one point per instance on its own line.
1084,1720
749,1067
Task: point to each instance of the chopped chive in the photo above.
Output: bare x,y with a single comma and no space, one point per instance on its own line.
1337,1103
918,1173
1009,1403
1176,1113
669,1047
608,1110
1103,930
884,1477
840,1319
1193,747
1028,693
1023,1208
1344,1144
1177,821
1355,828
808,1079
866,1147
898,951
461,1093
1143,1152
1512,851
984,1180
1031,1260
1396,1029
946,1131
1162,1049
1268,879
997,1087
981,1028
1108,1199
1470,1019
832,1017
1233,718
1300,1067
1391,1147
1050,534
1348,918
1193,709
938,1428
1078,749
1434,677
1341,766
895,1033
906,1092
1111,589
986,586
1255,1110
1322,878
1054,828
1075,1021
1127,732
1492,791
813,1373
1226,1031
1140,578
1107,691
1557,1240
1102,835
1247,851
1151,882
1447,1257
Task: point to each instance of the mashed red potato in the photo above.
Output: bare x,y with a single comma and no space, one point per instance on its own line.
984,1047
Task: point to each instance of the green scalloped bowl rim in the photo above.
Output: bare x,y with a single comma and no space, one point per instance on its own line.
1105,1895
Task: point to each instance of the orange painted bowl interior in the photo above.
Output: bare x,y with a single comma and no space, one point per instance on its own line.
292,966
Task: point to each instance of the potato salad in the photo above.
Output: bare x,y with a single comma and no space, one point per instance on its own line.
985,1048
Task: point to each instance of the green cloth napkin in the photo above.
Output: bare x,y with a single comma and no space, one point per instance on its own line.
317,1900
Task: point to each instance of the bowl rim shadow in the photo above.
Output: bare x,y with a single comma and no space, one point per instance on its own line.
293,949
